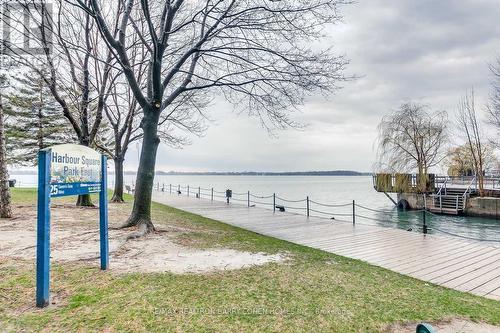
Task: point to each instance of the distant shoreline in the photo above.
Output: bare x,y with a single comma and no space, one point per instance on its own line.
243,173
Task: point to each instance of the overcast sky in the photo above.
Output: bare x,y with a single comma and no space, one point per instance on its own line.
427,51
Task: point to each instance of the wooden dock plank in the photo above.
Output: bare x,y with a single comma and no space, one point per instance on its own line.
459,264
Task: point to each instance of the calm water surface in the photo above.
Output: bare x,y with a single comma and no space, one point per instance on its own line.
330,190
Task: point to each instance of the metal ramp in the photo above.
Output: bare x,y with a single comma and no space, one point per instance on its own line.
451,198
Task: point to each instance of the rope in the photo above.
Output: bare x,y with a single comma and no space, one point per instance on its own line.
374,210
326,205
220,192
374,219
329,213
286,200
261,197
262,203
289,207
465,237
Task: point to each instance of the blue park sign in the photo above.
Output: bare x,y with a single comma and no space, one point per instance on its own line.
64,170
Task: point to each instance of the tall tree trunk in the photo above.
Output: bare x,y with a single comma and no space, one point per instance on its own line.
141,213
84,200
118,190
5,207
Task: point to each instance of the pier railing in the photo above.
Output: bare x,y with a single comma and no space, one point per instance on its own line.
350,212
408,183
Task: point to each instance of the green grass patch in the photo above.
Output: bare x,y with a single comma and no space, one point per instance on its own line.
314,291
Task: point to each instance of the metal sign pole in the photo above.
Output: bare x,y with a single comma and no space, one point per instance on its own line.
103,214
43,230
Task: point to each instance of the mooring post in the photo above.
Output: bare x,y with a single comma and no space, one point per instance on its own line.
170,188
199,192
163,187
274,202
188,191
103,214
248,198
212,194
307,205
43,230
353,212
424,229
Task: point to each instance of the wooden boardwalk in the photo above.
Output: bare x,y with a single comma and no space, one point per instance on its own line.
450,262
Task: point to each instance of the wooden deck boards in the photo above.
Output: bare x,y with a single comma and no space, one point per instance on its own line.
454,263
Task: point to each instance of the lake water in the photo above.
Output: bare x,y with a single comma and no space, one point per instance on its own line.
327,190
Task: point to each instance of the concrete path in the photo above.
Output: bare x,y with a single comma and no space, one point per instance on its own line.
450,262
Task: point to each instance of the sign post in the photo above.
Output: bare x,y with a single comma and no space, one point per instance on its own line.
65,170
103,215
43,230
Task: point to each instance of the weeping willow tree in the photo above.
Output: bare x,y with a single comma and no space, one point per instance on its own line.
412,139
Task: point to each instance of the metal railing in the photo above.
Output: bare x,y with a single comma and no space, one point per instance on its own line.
440,183
348,212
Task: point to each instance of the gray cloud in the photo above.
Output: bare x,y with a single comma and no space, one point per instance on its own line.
428,51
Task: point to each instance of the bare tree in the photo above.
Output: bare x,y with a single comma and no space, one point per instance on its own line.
257,54
77,63
494,105
412,138
469,126
123,114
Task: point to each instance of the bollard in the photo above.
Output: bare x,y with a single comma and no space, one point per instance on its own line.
307,205
274,202
353,212
425,222
163,187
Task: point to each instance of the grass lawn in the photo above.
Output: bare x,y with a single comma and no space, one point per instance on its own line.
313,291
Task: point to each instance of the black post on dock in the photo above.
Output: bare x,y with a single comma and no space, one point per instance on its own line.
424,229
353,212
199,192
188,191
170,185
248,198
274,202
163,187
307,205
212,195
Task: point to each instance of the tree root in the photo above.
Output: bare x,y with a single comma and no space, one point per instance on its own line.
143,229
144,226
117,199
